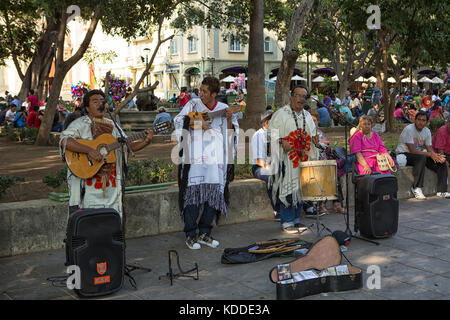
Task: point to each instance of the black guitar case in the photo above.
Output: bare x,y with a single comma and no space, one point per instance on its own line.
321,256
95,244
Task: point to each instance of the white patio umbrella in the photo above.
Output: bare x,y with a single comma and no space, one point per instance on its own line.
228,79
372,79
437,80
318,79
425,80
360,79
335,78
391,80
406,80
298,78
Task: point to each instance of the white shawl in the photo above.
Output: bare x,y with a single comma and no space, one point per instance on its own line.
286,178
208,154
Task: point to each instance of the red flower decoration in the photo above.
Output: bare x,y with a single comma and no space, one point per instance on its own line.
298,145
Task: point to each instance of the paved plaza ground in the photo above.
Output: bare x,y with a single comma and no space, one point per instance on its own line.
414,264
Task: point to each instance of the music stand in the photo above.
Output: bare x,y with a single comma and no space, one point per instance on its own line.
128,267
346,125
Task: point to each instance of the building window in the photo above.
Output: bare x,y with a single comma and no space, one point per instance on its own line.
267,44
192,44
235,44
173,47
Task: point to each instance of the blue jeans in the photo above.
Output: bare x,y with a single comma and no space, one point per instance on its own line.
191,213
256,171
290,216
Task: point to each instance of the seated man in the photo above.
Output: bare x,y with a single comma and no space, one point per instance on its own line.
325,120
260,161
161,117
415,143
441,142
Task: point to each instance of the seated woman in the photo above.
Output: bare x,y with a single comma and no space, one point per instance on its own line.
399,114
366,144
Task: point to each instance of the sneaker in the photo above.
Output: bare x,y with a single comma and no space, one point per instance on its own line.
314,214
443,194
276,216
300,227
207,240
418,194
192,243
290,230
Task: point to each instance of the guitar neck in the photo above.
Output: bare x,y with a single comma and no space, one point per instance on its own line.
133,137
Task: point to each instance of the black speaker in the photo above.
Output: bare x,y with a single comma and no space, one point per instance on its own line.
376,206
95,244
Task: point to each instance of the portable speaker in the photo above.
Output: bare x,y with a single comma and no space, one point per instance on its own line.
377,206
96,245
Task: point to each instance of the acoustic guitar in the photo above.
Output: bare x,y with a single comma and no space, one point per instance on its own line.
83,166
210,115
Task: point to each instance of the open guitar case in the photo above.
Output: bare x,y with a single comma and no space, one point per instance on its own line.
264,250
322,255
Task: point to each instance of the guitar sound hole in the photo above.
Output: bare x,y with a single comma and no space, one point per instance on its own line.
103,151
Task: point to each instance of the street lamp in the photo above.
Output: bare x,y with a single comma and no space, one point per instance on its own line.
211,60
146,65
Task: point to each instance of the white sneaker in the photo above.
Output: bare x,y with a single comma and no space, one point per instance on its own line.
443,194
208,240
192,243
418,194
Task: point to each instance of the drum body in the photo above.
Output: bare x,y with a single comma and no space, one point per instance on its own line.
318,180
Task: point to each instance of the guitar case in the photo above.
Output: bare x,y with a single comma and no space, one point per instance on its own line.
264,250
324,254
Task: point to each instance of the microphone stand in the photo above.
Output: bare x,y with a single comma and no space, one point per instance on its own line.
346,124
122,140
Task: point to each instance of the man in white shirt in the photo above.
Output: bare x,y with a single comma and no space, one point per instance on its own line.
260,160
415,143
10,115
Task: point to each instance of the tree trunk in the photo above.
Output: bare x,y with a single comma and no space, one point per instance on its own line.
283,84
61,69
291,52
382,76
256,98
39,67
343,86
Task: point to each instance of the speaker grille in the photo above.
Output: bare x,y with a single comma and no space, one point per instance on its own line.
78,242
118,236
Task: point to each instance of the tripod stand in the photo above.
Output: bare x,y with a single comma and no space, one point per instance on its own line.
318,224
346,125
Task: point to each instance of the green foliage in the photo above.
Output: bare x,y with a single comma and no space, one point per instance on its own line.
144,172
8,181
57,179
21,134
243,170
436,123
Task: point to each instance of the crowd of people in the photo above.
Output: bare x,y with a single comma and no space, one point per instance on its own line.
30,112
368,101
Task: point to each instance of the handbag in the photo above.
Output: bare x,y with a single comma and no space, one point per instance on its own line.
383,161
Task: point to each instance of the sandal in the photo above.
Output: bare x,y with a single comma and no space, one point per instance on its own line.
322,208
338,209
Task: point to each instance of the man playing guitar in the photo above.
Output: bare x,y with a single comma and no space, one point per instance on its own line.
104,189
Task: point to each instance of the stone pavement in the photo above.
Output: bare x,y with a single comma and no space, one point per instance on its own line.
414,264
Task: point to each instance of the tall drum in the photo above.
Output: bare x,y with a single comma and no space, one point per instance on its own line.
318,180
